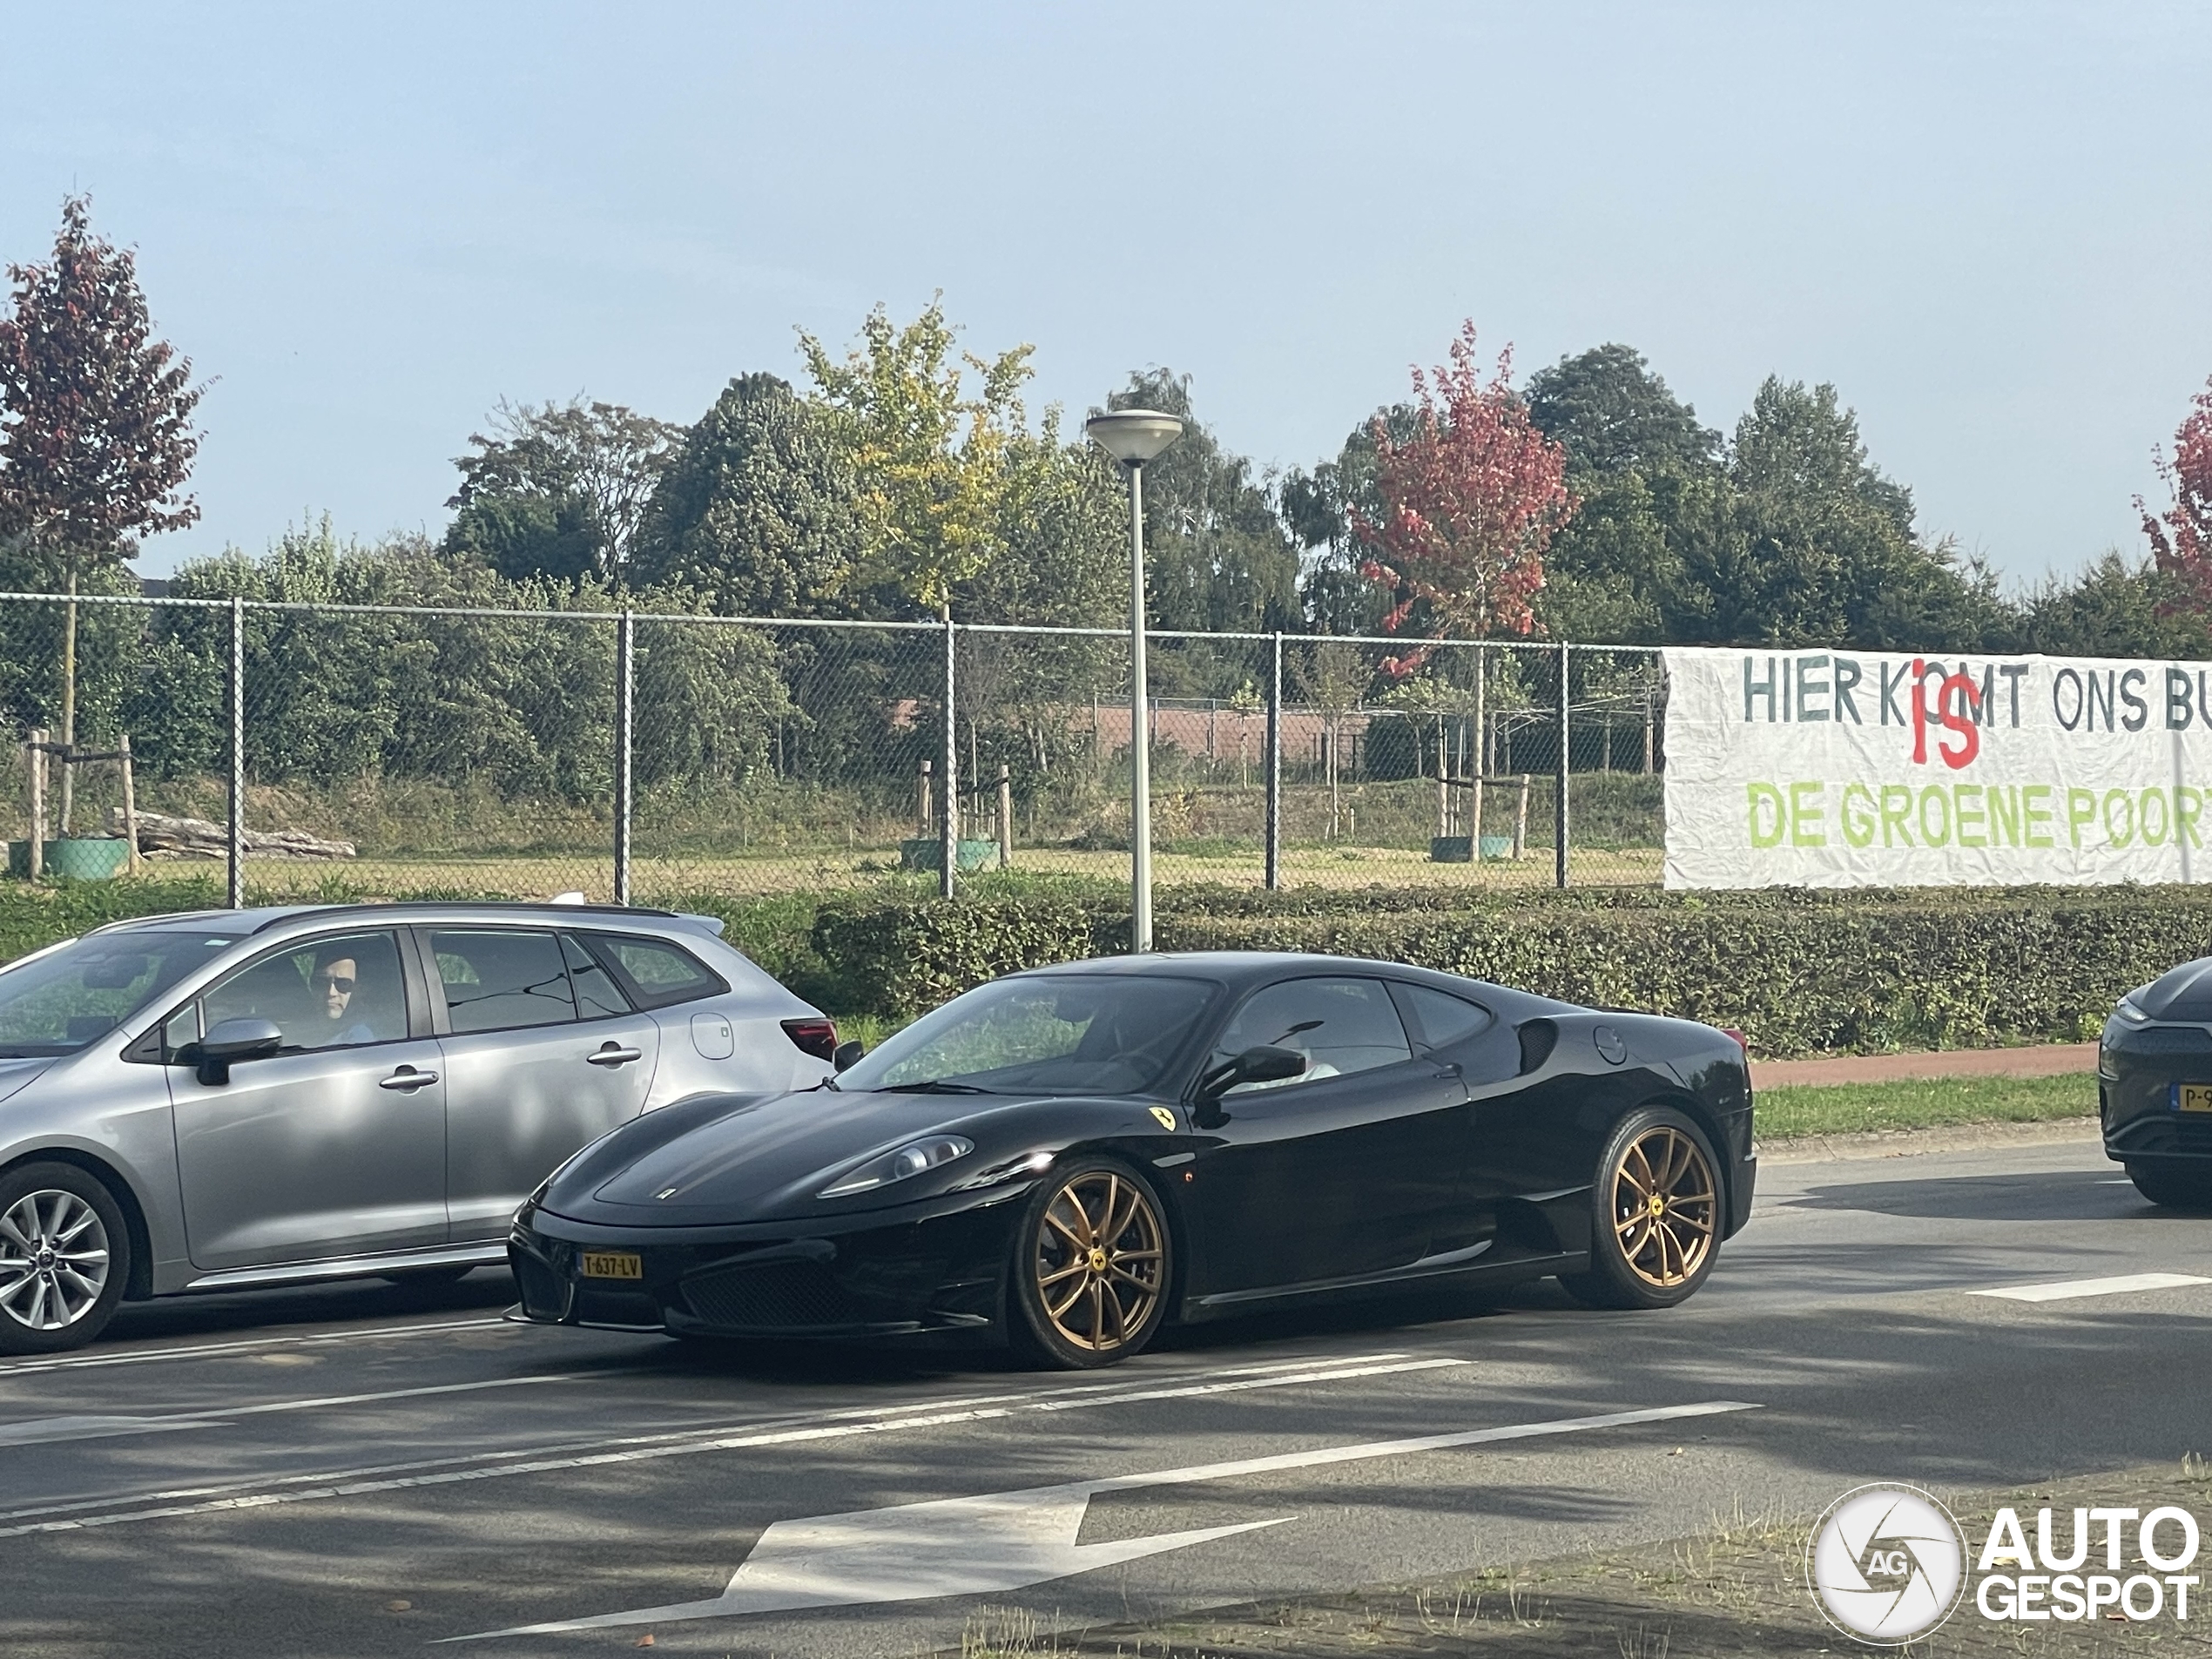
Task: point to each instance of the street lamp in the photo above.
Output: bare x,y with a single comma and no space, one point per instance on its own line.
1133,437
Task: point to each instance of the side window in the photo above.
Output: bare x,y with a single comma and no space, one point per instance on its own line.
1437,1019
1340,1025
653,972
332,993
497,980
595,997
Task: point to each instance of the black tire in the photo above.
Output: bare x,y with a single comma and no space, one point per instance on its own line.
64,1257
2173,1187
1643,1255
1120,1281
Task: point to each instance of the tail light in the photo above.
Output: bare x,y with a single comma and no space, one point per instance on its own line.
815,1037
1741,1041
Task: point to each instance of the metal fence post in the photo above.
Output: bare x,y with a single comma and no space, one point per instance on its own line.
1275,767
625,727
948,833
237,848
1566,755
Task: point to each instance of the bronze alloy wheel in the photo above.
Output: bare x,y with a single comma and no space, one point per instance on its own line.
1098,1263
1665,1207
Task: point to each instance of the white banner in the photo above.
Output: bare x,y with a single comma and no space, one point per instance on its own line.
1835,769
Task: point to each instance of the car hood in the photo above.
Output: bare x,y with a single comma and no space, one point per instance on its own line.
767,1158
14,1074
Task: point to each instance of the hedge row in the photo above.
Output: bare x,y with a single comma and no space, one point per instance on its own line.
1797,972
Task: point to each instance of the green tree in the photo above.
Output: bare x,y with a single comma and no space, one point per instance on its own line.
2115,609
1613,416
934,461
1822,547
1652,489
758,509
557,489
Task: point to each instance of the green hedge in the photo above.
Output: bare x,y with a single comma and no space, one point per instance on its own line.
1798,972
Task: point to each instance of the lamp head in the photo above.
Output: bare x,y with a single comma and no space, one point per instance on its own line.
1133,436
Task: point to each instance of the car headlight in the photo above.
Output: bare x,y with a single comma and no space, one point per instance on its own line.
911,1159
2129,1012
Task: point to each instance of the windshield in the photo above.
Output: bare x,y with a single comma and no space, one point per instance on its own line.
1072,1034
57,1002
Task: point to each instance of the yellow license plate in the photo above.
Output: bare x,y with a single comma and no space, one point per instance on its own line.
617,1263
2193,1097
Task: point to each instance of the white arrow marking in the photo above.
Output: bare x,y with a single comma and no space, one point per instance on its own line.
1008,1540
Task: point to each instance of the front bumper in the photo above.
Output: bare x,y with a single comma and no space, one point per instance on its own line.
2139,1068
884,1274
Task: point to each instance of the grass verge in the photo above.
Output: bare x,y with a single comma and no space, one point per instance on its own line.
1859,1109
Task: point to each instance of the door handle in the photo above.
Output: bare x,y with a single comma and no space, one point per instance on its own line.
407,1077
611,1055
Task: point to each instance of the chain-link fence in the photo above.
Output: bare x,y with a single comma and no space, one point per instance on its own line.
359,751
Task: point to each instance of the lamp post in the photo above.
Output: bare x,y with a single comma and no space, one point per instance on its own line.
1133,437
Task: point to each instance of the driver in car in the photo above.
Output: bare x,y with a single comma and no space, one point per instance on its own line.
335,1021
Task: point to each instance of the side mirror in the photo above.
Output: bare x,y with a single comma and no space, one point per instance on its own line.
1265,1064
846,1055
231,1041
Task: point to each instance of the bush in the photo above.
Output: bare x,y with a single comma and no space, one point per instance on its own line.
1796,971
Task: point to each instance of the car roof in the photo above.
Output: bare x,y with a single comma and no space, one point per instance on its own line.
1241,970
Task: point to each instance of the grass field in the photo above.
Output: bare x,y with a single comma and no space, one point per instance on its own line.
761,874
1855,1108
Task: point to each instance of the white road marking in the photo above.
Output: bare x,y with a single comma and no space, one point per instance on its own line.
40,1430
307,1488
2066,1289
1008,1540
221,1350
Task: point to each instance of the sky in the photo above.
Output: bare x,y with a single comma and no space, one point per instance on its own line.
1989,225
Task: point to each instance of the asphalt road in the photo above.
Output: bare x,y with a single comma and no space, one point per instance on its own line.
278,1474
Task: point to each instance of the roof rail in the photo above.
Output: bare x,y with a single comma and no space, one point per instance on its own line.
465,904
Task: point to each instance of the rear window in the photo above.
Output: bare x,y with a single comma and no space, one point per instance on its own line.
652,973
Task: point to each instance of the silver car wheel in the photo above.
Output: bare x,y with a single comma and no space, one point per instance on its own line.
53,1260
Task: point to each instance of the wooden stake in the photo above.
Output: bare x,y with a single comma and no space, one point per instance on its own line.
1006,816
34,753
130,806
1521,820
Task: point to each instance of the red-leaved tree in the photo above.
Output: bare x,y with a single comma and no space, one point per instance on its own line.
1469,503
2181,537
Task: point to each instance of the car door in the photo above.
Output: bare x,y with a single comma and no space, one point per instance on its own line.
1470,1173
1331,1174
542,1054
335,1145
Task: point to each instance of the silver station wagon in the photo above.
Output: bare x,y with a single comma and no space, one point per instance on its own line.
235,1099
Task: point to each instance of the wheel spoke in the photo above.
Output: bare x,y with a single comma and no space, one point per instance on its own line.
1079,1240
1068,1271
76,1226
1074,1297
11,1228
1098,1315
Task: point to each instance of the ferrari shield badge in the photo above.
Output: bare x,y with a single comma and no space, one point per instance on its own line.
1166,1117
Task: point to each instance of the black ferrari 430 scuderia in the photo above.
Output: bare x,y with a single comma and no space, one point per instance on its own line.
1070,1157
